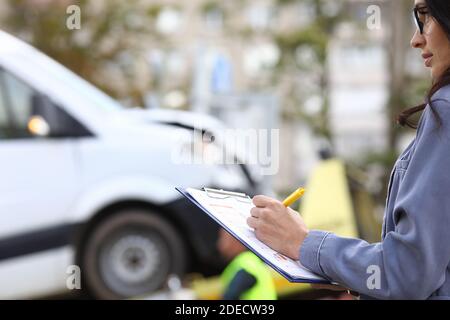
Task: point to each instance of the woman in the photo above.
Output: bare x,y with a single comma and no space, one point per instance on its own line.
413,259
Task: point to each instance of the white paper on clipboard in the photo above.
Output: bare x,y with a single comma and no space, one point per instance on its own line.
231,211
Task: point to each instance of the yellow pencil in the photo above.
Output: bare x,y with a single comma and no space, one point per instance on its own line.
294,196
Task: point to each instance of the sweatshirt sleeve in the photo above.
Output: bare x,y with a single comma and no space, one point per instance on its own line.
411,260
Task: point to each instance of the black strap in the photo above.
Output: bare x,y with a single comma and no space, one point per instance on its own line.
241,282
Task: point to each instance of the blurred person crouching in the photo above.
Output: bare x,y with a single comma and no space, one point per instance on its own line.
246,277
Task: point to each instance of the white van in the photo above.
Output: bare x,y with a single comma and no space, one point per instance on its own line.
88,183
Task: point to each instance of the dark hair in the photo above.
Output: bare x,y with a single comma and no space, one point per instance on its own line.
440,11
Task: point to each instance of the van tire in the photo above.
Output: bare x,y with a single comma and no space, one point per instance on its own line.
131,253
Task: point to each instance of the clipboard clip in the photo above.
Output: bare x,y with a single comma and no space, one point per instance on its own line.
222,194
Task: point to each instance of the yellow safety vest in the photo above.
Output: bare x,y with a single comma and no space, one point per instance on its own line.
264,288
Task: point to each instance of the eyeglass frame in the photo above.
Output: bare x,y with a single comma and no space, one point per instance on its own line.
419,24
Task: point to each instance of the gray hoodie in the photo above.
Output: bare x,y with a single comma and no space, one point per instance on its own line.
412,261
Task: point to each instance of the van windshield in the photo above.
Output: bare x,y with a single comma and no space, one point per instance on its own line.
47,66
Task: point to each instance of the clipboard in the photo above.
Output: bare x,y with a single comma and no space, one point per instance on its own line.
212,201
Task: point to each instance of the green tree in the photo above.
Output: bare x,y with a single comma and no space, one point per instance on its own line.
312,39
108,43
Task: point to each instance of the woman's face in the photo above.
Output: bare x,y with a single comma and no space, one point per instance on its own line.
434,42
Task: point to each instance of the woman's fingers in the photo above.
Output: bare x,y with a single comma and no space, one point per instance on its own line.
252,222
264,214
261,201
255,212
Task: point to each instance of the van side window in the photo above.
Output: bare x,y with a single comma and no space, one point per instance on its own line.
17,96
5,129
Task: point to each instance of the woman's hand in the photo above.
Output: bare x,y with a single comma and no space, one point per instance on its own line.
281,228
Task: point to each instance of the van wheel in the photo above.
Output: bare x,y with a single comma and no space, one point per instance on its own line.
131,253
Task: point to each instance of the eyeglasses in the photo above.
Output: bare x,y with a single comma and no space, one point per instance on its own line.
420,16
